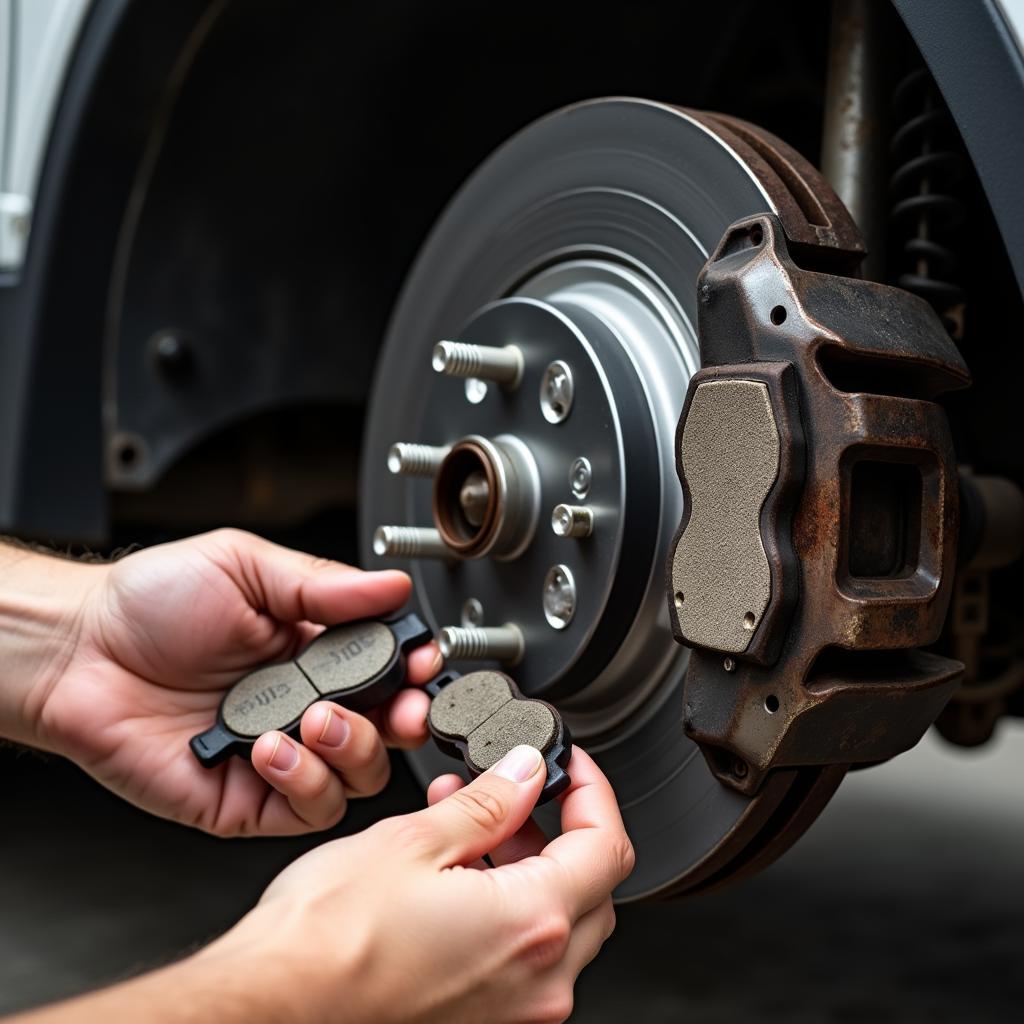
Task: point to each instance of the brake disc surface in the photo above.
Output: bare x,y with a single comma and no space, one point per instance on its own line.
583,236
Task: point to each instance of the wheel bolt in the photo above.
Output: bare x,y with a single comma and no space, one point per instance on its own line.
483,362
482,643
415,459
409,542
572,521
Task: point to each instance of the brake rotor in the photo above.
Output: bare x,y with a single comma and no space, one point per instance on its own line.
580,242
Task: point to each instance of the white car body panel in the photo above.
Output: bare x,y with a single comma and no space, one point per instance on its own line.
37,39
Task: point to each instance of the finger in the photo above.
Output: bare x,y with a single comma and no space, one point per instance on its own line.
481,816
528,841
403,720
312,792
440,789
293,586
589,934
348,743
550,993
443,786
593,849
423,664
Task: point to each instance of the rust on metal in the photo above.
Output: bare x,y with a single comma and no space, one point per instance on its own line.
818,225
465,537
870,536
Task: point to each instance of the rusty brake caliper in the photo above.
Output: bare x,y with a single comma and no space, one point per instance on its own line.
818,541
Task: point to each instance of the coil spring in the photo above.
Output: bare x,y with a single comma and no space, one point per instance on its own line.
925,208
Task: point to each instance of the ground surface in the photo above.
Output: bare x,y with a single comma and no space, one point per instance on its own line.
904,903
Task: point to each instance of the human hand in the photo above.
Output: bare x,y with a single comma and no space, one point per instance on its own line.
161,636
404,922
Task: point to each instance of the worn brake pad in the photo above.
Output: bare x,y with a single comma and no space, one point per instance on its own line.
358,665
480,717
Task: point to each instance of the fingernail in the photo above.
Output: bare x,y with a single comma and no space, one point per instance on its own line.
285,756
438,663
519,764
334,730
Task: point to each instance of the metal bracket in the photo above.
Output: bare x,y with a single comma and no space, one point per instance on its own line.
819,539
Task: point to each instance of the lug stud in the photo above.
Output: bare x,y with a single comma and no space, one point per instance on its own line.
409,542
572,521
415,459
483,643
482,362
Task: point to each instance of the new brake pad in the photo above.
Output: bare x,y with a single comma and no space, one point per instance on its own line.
480,717
358,665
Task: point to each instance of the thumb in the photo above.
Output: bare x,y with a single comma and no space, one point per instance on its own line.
481,816
294,586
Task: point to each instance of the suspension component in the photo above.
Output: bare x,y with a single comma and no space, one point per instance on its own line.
925,207
818,541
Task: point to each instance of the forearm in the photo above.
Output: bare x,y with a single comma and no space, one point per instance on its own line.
248,976
41,604
191,991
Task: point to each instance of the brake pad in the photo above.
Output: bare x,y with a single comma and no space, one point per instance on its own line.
358,665
480,717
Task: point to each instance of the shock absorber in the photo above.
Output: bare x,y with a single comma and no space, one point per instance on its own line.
926,211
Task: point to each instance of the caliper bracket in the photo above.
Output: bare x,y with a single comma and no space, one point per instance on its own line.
818,541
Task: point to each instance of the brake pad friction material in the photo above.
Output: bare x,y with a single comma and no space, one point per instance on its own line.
358,665
515,723
346,656
266,698
468,702
720,570
482,716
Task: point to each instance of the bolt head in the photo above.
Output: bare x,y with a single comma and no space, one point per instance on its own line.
476,390
559,596
580,477
172,354
556,392
561,521
472,613
439,357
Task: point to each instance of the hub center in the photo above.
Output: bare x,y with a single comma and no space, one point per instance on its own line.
575,374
